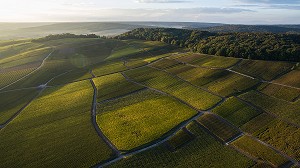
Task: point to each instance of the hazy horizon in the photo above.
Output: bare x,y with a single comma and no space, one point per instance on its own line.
211,11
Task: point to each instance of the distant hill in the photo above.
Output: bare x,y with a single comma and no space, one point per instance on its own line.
256,28
34,30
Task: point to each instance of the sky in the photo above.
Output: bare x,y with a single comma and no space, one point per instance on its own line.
216,11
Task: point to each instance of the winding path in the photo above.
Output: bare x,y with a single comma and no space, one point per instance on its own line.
42,64
42,87
94,122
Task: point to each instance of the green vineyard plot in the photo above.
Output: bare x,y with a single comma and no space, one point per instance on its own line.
255,124
181,138
218,127
165,63
174,86
266,70
54,131
283,109
260,151
71,76
140,118
281,92
230,84
203,151
11,102
209,60
292,78
108,68
235,111
112,86
282,136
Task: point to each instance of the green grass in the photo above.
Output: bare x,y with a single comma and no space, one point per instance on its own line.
266,70
231,84
203,151
174,86
55,130
11,102
235,111
179,139
257,123
140,118
282,136
281,92
283,109
259,151
114,85
218,127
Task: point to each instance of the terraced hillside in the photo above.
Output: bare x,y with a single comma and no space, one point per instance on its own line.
93,102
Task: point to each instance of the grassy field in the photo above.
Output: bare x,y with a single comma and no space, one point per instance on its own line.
282,136
112,86
140,118
266,70
283,109
218,127
54,131
281,92
259,151
174,86
236,112
11,102
203,151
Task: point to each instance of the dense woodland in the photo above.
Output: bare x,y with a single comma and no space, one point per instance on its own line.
263,46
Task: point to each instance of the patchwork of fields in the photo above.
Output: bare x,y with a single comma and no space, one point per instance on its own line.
113,103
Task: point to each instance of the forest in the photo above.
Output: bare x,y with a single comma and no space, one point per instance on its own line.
261,46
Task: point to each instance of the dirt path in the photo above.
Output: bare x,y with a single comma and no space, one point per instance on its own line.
184,125
20,110
94,122
239,73
42,64
42,87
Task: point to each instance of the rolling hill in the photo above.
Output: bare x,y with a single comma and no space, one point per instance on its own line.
116,102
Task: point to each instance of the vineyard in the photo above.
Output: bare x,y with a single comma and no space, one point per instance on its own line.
97,102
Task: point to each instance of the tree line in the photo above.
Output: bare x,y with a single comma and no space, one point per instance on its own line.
64,35
263,46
